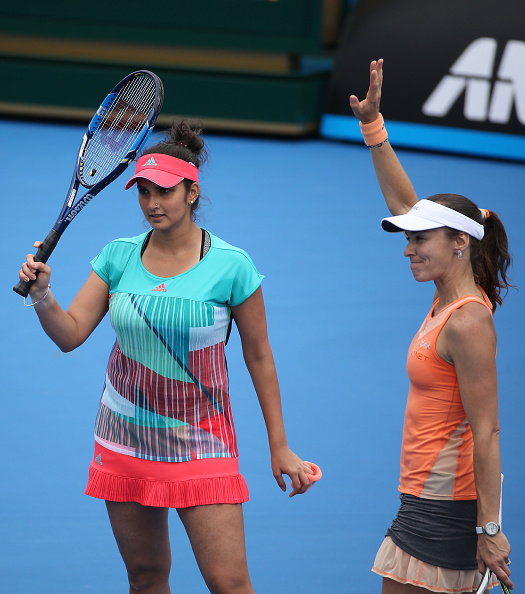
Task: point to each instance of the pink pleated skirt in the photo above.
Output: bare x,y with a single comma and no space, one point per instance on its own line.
118,477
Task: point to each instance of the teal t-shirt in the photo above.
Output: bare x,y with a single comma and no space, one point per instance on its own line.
226,274
166,391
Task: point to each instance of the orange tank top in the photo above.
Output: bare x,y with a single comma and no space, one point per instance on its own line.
437,450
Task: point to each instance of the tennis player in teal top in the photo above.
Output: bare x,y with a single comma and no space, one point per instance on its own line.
164,433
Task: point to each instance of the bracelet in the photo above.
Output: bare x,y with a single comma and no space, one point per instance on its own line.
374,133
378,145
35,302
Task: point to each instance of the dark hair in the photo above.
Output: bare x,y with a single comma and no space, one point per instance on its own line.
183,140
489,256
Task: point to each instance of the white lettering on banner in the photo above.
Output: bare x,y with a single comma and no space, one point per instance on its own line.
510,86
472,74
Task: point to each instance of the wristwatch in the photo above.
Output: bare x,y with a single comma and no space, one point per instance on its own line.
490,528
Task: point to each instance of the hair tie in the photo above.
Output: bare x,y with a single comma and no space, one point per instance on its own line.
485,214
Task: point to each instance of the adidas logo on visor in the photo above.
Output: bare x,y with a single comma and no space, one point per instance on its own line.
150,161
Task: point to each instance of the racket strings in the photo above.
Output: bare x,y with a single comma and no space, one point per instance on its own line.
117,133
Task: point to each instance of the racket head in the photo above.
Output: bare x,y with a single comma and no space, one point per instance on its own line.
120,125
117,131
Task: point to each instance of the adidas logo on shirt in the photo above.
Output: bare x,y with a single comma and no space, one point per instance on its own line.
150,161
161,287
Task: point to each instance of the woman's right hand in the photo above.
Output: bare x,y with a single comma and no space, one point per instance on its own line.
29,272
493,552
367,111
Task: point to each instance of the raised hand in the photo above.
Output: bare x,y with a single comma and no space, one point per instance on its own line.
367,111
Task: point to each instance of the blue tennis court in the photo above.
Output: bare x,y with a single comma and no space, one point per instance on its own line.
342,308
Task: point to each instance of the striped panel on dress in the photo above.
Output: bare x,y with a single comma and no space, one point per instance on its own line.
166,392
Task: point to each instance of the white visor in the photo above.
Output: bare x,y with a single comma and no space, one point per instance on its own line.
427,215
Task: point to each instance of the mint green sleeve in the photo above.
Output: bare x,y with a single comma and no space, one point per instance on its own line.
246,280
100,263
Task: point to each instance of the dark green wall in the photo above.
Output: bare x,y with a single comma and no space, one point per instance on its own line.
234,64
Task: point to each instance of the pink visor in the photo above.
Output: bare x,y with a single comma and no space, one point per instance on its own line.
163,170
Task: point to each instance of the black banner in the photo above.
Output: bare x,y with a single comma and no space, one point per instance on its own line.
448,63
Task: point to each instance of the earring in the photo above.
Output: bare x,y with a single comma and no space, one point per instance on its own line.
460,254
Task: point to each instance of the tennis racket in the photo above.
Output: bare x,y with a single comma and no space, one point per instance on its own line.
485,582
116,133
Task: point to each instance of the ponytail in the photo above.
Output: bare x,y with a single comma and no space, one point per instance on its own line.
491,259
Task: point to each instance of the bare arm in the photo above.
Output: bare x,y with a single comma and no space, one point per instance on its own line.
67,329
469,340
393,180
250,318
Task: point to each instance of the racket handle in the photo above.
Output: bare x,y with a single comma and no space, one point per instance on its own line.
484,582
42,255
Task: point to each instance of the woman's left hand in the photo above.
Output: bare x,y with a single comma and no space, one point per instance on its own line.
284,461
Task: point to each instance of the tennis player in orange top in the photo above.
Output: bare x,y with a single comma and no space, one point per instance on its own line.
447,529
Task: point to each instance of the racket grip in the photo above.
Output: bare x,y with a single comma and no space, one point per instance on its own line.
42,255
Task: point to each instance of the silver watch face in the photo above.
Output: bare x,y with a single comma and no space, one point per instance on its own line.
491,528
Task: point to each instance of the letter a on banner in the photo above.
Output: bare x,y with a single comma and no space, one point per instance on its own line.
472,74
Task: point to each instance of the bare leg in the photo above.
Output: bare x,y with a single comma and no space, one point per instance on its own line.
216,533
142,537
393,587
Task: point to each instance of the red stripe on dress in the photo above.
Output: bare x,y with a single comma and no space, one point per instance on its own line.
170,397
